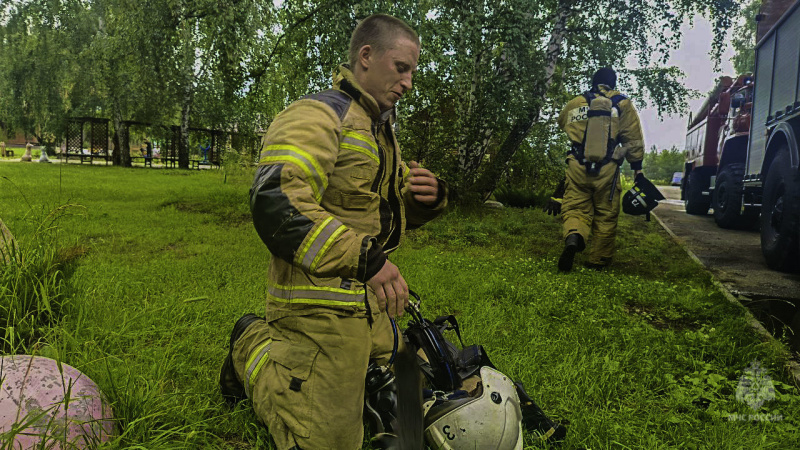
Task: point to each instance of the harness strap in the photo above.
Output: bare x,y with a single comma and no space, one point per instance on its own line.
451,319
591,168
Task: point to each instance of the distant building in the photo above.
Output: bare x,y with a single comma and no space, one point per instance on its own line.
17,139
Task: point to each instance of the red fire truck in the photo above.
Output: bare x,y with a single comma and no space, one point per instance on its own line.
742,145
716,146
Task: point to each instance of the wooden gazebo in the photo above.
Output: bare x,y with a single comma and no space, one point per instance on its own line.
98,139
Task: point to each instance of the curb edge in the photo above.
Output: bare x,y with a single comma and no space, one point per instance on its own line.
792,366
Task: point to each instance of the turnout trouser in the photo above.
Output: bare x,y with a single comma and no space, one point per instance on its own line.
305,376
586,208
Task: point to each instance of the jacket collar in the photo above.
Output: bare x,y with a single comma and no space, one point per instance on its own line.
606,91
345,81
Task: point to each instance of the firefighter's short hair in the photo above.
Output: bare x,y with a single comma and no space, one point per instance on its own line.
379,31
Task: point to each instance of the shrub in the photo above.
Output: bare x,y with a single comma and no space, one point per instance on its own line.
520,197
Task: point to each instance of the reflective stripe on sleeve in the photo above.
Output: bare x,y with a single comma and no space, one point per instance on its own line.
308,164
254,364
316,295
318,243
359,143
338,231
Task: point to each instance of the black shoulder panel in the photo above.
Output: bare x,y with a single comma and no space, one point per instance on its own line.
617,98
278,223
337,100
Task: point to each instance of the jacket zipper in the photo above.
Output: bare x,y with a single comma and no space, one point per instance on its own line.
393,198
381,161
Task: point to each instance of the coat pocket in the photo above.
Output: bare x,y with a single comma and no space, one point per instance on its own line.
358,202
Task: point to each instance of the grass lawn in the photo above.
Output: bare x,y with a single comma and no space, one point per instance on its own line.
154,266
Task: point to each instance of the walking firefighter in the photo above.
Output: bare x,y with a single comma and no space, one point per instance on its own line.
604,129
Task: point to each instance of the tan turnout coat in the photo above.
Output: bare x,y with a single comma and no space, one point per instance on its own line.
331,200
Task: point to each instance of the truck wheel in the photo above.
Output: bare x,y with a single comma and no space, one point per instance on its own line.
696,203
780,209
727,199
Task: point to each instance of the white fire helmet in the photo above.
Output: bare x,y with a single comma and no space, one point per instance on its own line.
491,420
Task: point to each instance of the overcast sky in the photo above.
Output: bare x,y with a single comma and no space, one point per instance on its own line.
694,59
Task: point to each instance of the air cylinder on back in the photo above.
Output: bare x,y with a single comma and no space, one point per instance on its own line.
598,129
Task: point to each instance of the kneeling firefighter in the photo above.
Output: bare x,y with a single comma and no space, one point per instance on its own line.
603,128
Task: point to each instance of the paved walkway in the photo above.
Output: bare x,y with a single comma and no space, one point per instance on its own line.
734,258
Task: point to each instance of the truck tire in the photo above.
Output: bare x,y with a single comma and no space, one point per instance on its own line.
727,199
695,202
780,210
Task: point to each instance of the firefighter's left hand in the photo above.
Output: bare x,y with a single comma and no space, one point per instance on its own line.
391,289
423,184
553,206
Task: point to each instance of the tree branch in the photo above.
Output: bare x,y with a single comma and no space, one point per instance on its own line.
256,76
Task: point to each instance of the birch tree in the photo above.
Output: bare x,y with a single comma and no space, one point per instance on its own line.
167,62
490,72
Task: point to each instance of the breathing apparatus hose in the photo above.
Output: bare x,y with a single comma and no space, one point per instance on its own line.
396,331
396,340
426,326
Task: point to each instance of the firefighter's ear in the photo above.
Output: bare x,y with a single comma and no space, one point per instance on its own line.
364,55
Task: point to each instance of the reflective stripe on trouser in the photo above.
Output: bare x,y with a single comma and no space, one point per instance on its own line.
586,209
309,389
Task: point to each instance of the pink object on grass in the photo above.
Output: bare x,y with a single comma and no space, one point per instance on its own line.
35,411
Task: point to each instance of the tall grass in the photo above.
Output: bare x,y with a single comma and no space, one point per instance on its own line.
32,271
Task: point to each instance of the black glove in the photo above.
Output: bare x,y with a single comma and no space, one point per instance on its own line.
553,206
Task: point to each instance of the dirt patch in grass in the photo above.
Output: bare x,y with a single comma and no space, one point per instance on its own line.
70,254
236,442
223,214
175,250
659,319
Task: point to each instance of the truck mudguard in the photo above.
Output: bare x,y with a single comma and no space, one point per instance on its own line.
785,132
734,151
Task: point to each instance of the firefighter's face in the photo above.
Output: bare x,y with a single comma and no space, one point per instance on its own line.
387,74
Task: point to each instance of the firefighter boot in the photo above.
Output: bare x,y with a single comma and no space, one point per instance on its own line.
572,244
232,389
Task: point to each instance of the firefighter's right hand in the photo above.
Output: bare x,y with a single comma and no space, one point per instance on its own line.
553,206
391,290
